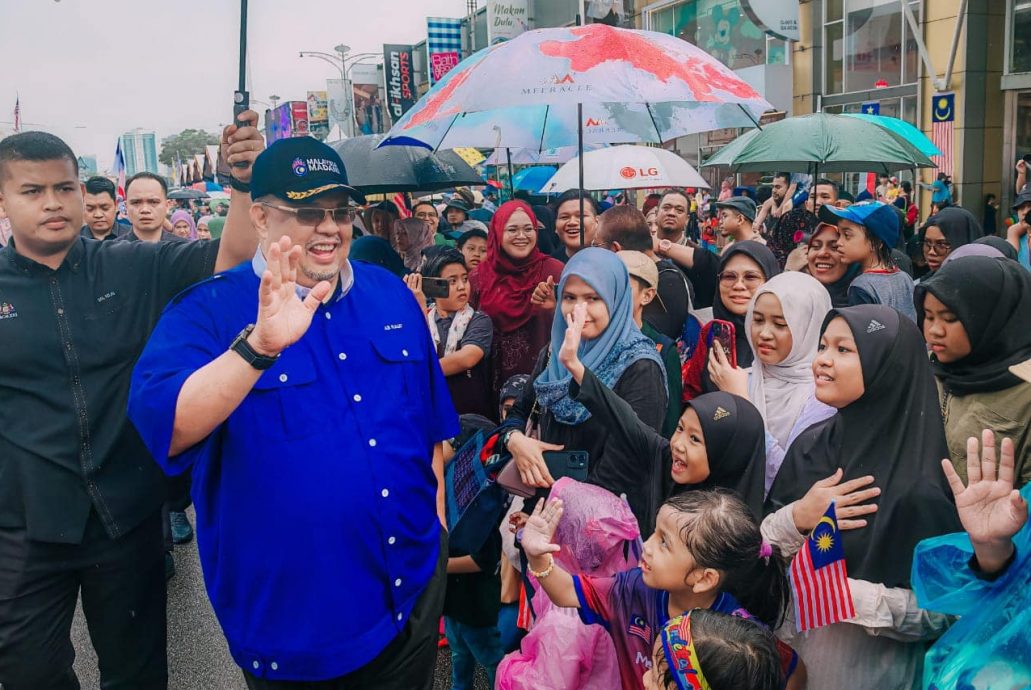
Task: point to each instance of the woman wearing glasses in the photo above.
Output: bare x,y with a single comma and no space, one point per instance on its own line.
944,232
739,272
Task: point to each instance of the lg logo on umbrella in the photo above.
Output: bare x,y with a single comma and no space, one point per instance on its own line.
630,173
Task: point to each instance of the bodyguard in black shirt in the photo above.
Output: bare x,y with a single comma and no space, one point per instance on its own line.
80,497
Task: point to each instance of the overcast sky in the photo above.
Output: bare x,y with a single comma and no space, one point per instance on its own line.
89,70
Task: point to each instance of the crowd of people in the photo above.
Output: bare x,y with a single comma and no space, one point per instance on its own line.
671,398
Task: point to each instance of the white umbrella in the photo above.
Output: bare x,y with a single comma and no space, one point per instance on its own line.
626,167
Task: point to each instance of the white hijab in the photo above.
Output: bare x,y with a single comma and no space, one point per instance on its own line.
780,391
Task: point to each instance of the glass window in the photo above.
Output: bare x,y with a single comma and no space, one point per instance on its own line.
833,50
776,51
832,10
717,26
911,57
1020,57
873,47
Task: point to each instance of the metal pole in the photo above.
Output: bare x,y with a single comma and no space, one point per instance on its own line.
580,163
241,99
511,189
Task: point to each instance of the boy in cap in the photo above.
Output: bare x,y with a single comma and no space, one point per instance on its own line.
1017,234
644,283
303,392
868,231
736,217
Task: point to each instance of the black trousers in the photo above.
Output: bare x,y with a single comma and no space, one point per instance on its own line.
406,663
123,598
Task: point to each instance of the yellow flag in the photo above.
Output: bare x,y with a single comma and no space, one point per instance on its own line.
470,155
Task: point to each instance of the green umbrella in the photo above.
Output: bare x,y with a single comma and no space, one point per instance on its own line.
820,143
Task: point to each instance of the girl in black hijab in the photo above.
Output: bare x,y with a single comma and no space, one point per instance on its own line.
872,366
547,238
975,313
1007,249
944,232
739,261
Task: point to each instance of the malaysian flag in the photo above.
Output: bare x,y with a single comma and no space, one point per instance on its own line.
638,626
819,581
943,121
120,169
17,113
443,45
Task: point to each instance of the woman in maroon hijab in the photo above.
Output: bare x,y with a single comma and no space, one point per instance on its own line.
502,286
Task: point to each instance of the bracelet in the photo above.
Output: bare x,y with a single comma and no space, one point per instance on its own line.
544,573
239,186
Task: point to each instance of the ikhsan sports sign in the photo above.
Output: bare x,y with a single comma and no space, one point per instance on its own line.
397,73
779,18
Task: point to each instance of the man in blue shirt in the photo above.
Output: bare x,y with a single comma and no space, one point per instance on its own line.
314,441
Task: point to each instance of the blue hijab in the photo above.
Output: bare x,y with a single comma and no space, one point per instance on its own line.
607,356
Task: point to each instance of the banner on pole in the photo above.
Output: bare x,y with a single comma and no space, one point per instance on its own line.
506,19
443,45
943,122
341,119
318,114
299,115
398,79
368,106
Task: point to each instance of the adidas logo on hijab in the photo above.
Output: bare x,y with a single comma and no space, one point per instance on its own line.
875,326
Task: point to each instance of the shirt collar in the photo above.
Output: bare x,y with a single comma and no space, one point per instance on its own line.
73,259
344,283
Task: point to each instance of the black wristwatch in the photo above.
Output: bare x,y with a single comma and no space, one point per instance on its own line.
239,186
241,347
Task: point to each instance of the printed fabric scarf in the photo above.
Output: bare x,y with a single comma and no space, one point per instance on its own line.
455,332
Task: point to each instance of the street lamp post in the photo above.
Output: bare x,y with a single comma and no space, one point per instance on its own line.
340,61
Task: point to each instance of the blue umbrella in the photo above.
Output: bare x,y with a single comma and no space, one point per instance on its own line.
905,130
532,179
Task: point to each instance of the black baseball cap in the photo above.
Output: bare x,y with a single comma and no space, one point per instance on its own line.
300,169
741,204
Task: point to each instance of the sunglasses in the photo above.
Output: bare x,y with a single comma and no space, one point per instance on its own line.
750,278
313,216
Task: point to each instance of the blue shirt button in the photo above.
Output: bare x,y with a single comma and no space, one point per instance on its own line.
372,443
342,356
384,493
357,397
256,665
391,540
283,378
274,666
328,315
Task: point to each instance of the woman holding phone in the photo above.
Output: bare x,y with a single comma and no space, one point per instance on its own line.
722,350
622,358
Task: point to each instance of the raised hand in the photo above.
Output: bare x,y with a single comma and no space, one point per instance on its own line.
850,500
282,316
544,294
241,145
991,510
414,283
540,529
569,353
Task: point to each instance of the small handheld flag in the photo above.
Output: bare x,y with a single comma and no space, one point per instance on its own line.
819,580
120,169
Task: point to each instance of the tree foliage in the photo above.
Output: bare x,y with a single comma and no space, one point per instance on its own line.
185,145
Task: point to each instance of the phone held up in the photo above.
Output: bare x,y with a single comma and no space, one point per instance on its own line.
436,288
723,333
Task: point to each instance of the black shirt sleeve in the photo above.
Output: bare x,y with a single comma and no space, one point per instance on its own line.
703,277
178,265
620,419
524,405
668,317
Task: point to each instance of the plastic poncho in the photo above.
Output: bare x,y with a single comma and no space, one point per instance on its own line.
599,536
990,646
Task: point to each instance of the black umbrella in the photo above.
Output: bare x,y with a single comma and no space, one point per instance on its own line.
402,168
180,194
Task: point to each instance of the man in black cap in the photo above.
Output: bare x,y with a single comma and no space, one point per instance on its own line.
303,392
455,213
736,216
80,497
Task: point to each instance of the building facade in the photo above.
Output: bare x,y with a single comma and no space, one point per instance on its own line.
139,149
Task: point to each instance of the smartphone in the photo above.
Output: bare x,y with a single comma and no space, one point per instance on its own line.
723,333
436,288
566,463
1026,158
